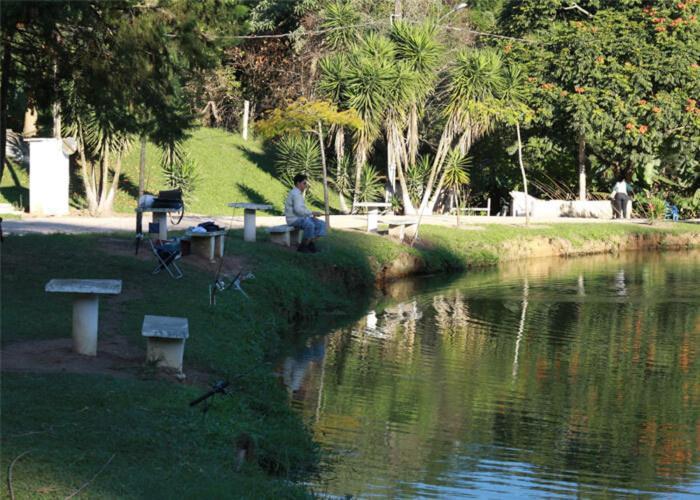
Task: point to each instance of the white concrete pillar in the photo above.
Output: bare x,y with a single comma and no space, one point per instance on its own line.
161,218
248,224
85,318
372,221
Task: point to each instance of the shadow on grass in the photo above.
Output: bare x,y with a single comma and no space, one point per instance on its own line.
255,197
18,194
265,161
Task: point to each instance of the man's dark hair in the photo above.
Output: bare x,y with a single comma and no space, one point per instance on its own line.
299,178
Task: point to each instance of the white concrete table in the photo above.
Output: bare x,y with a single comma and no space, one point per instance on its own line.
372,214
160,217
249,217
166,337
86,305
209,244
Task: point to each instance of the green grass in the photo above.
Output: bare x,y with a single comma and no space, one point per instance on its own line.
14,187
230,169
161,448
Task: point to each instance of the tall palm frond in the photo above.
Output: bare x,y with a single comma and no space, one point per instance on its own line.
341,20
332,78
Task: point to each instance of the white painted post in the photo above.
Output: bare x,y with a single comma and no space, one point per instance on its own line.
85,316
249,224
246,115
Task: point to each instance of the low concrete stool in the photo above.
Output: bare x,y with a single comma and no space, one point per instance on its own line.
86,306
284,235
207,245
166,340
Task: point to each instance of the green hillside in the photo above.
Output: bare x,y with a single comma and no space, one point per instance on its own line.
230,169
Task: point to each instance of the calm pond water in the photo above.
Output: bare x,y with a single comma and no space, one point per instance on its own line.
546,378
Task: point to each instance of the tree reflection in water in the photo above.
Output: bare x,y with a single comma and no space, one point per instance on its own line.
520,380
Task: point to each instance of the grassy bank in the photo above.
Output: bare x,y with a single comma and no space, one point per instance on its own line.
136,431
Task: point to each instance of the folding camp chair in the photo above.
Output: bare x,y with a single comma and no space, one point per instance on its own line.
167,252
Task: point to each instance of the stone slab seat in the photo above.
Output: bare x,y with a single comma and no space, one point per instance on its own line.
86,305
166,337
208,245
284,235
398,227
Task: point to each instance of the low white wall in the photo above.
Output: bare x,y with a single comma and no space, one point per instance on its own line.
596,209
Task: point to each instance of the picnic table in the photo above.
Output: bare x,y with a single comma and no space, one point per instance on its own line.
86,303
160,217
249,217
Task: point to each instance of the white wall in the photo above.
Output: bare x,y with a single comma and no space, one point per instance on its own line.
48,177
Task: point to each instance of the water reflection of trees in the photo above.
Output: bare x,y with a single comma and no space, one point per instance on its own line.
559,369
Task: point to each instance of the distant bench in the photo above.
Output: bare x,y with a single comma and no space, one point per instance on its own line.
483,210
284,235
398,228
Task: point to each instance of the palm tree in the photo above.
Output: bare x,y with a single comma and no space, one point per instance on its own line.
333,75
455,175
371,75
418,51
471,93
514,111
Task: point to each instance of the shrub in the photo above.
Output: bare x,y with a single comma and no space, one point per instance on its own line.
298,154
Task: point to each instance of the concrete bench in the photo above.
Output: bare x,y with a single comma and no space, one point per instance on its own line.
398,228
372,213
284,235
468,210
86,306
208,245
166,337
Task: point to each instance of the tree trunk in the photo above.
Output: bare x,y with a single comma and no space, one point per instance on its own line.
360,160
142,167
582,168
325,175
4,92
339,155
412,135
87,172
29,127
522,171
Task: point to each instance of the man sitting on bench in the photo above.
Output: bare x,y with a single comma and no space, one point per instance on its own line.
299,216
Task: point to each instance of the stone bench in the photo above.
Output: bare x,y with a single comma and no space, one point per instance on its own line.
373,209
86,306
207,245
166,337
284,235
398,228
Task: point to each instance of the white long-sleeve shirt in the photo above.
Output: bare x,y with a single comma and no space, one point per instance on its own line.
294,206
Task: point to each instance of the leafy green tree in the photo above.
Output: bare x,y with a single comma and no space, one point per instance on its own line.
622,78
116,68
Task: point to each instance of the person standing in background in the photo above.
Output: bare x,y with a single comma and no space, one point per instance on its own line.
620,198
